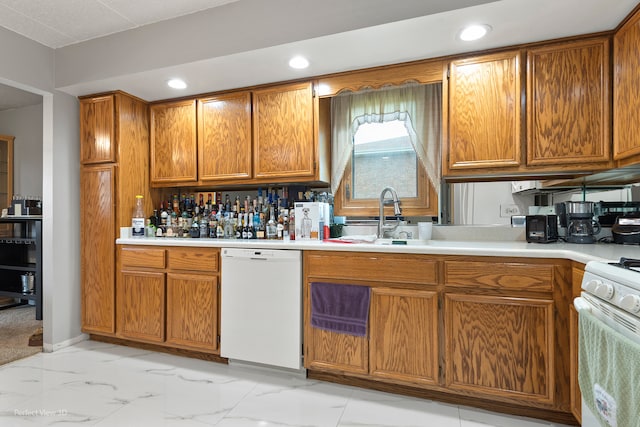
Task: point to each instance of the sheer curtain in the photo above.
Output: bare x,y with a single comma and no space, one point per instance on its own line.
418,106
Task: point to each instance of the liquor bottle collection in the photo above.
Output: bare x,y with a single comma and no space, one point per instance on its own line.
209,215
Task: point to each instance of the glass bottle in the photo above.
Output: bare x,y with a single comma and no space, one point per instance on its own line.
138,218
194,231
292,223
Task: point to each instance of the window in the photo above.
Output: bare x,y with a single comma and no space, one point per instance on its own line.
380,150
386,137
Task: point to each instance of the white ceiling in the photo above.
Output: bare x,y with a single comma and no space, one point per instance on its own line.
58,23
104,45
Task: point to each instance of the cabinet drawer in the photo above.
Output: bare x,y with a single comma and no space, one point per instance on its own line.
193,259
142,257
497,275
375,266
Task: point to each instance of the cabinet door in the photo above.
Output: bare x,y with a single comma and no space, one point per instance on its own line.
97,140
224,137
284,133
173,143
404,335
326,350
568,114
485,113
97,252
141,305
500,347
192,311
626,86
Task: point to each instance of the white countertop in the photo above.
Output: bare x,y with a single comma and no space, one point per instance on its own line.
576,252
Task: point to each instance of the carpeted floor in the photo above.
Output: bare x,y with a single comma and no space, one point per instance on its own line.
17,326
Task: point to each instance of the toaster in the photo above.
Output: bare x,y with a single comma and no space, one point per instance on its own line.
626,229
541,228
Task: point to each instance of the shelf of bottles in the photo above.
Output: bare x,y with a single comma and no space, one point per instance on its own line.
265,214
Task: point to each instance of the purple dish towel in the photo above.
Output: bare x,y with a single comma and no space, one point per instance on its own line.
340,308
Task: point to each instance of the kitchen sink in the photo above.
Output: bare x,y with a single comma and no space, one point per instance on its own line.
410,242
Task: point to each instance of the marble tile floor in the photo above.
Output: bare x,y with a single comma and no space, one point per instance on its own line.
99,384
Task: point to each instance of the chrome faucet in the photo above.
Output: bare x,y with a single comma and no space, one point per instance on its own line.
382,227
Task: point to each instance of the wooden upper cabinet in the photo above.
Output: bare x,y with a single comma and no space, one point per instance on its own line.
224,137
626,86
173,143
285,144
484,114
568,96
97,133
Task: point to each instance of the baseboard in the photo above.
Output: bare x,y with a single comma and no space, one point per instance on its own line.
50,348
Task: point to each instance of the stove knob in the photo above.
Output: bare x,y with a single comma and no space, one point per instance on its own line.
604,290
630,303
591,286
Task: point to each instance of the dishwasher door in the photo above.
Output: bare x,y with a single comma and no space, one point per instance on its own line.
261,306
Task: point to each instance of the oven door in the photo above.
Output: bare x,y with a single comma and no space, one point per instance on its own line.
609,350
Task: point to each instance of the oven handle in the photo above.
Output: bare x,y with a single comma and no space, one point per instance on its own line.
581,305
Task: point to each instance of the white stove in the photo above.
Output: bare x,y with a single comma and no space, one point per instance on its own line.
611,293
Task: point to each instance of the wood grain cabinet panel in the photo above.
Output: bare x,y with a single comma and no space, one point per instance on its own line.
143,257
512,276
485,113
224,138
568,104
500,347
97,252
97,131
374,267
404,335
141,306
285,144
626,86
173,143
192,315
328,350
193,259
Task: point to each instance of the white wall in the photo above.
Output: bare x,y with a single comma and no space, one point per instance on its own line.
31,68
26,125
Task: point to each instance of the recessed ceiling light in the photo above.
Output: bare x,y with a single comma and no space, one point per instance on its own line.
474,32
298,62
177,84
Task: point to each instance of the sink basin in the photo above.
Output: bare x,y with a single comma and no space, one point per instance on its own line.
410,242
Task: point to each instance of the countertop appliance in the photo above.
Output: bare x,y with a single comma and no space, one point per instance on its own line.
581,227
261,306
611,293
541,228
626,229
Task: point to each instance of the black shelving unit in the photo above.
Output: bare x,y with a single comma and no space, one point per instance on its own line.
21,253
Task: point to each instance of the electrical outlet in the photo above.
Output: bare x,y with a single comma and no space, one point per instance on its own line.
509,210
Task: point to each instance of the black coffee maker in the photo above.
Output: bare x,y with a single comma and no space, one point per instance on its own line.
578,219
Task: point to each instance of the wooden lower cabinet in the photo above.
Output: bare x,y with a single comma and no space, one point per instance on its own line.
169,296
404,335
490,332
401,345
190,320
140,305
500,346
328,350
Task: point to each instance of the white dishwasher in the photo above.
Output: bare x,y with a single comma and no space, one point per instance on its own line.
261,306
